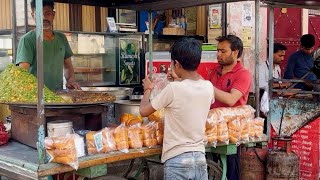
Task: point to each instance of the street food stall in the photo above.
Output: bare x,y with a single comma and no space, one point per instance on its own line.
23,162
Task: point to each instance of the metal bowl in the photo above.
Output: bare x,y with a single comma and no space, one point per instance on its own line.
127,106
119,92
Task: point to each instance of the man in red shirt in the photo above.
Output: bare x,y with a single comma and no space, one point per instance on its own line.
231,83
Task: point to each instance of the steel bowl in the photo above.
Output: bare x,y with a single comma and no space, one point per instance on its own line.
127,106
120,92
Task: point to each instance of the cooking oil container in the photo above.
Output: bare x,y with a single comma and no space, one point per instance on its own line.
59,128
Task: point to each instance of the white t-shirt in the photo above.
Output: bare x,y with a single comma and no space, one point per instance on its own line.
264,74
186,104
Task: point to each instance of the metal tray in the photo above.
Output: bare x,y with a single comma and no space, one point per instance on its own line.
56,105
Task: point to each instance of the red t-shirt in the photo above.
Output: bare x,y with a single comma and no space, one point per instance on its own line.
239,78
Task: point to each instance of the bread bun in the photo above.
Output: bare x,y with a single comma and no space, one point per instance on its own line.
160,139
122,145
233,139
150,143
133,121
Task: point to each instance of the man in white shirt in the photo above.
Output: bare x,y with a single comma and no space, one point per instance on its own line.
186,102
279,52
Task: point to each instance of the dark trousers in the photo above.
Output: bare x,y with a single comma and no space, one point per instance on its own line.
233,166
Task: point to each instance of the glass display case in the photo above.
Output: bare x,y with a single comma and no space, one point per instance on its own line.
107,59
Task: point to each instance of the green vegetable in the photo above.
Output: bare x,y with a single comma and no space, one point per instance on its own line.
18,85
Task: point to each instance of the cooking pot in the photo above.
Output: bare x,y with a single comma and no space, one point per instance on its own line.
119,92
127,106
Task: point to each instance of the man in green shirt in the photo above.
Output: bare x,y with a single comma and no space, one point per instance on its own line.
57,52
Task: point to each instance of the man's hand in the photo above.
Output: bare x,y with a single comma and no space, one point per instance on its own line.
172,76
73,85
147,83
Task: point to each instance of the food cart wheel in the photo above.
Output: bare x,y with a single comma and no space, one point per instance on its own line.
214,170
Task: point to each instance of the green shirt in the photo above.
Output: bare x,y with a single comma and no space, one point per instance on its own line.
54,54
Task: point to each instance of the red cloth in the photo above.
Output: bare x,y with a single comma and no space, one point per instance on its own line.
4,137
239,78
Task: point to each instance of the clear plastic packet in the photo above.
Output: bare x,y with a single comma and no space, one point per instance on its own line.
258,127
121,138
108,140
148,132
134,135
244,111
211,129
62,150
222,131
245,124
160,82
159,126
157,116
234,131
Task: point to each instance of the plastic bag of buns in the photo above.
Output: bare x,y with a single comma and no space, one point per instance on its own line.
135,137
100,142
62,150
234,131
130,119
245,126
258,127
148,132
222,131
245,111
157,116
252,132
120,135
211,129
160,81
159,126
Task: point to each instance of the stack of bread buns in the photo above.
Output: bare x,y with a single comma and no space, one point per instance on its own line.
258,127
148,132
135,137
130,119
62,150
211,128
121,137
100,141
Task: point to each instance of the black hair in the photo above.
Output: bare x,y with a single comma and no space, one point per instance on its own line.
187,51
236,43
279,47
307,41
44,3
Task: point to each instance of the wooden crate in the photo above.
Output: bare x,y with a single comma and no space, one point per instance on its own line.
25,124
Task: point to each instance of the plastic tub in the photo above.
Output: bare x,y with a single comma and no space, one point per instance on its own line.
59,128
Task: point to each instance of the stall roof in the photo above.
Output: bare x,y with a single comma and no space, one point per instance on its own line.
146,4
172,4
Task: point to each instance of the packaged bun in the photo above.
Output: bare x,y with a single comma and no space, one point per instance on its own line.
134,135
121,138
157,116
62,150
150,143
148,131
159,126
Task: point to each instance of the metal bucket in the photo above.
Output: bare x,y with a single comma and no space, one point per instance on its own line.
120,92
59,128
126,106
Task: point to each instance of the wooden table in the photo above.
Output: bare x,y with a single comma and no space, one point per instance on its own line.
18,161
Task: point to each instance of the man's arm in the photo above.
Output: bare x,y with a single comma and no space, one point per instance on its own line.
227,98
24,65
145,106
288,74
69,74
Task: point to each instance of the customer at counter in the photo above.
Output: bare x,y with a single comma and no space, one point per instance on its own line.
301,62
279,52
57,52
232,84
186,102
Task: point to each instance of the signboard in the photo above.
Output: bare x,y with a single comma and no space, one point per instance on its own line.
129,61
